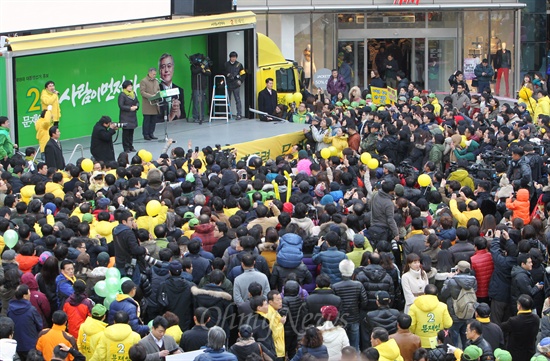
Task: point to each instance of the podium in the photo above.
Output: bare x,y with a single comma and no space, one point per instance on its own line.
164,98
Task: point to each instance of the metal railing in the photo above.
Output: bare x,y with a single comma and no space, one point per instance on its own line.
74,150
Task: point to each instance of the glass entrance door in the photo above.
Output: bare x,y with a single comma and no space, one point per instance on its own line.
441,63
353,51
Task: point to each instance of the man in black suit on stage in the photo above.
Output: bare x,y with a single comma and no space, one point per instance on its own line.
267,100
53,151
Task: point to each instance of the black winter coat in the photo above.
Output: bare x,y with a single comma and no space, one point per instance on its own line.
217,301
295,307
102,143
521,331
354,298
462,251
499,287
484,346
383,317
127,116
175,296
262,332
374,278
126,246
280,274
317,299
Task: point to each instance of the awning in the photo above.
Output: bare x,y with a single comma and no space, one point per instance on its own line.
128,33
339,8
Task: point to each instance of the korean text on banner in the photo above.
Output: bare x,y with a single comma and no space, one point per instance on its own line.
379,95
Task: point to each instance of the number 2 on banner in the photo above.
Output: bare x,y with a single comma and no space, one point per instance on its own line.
35,106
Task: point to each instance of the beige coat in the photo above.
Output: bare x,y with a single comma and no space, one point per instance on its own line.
148,88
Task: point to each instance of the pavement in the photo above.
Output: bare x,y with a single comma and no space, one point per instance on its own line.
201,135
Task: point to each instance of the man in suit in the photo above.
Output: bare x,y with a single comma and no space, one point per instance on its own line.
53,151
157,343
267,100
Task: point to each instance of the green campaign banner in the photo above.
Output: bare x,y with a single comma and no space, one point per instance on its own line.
3,89
90,80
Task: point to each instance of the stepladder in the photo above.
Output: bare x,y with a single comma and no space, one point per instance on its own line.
219,107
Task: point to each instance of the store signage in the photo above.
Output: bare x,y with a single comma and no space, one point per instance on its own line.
406,2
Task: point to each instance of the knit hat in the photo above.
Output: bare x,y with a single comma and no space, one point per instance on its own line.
472,353
320,190
245,331
49,208
383,297
327,200
87,217
329,313
103,259
390,167
502,355
288,207
463,266
544,345
8,255
44,256
399,190
175,267
98,310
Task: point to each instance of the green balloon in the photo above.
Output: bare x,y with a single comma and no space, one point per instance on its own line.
113,285
100,289
109,299
112,272
10,238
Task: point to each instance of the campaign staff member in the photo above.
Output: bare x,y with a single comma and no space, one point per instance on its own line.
102,140
267,100
50,96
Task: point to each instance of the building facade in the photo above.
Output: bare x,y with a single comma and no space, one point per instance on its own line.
430,39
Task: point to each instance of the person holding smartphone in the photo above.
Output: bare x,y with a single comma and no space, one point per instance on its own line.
158,337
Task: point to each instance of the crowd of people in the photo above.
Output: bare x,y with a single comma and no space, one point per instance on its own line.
407,232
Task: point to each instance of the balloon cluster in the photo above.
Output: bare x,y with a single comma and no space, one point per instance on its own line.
110,288
369,161
293,98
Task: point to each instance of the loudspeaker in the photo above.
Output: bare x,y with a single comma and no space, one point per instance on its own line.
201,7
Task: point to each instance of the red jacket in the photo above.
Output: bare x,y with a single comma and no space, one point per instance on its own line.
520,207
482,265
205,232
77,312
26,263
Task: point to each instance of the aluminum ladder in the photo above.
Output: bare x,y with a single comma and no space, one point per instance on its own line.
219,107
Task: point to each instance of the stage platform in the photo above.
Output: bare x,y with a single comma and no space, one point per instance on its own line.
217,132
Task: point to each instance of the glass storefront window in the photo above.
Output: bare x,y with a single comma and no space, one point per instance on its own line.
396,20
442,19
502,37
351,21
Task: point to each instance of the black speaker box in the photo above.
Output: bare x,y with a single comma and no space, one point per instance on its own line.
201,7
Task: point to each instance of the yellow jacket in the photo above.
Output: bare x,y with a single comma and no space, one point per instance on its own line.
175,332
526,95
115,343
437,107
464,217
277,330
339,142
42,126
56,189
47,98
104,229
543,107
429,316
88,335
149,223
26,193
389,351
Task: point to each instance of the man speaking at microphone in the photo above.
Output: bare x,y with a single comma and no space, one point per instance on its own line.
102,147
149,87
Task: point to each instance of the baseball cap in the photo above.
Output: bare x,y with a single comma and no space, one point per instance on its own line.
103,202
103,258
383,297
502,355
403,98
416,99
44,256
193,222
175,267
544,345
431,95
472,353
87,217
359,240
463,266
98,310
188,215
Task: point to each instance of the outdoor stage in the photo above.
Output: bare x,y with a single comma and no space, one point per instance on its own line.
217,132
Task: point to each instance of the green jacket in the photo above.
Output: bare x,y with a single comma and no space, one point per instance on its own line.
6,145
436,155
463,177
468,152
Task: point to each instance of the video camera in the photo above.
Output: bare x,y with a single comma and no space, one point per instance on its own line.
118,125
199,59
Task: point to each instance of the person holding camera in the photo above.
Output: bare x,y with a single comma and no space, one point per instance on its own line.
101,147
128,104
235,73
200,70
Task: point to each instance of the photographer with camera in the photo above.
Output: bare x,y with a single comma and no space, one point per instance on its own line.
200,70
128,104
235,73
102,147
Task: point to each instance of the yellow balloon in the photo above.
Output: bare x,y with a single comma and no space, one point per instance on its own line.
153,208
325,153
333,150
147,156
87,165
424,180
289,98
297,97
463,141
372,163
365,157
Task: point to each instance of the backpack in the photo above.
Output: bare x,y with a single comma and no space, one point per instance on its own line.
465,304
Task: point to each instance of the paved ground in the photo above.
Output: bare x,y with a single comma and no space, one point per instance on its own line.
217,132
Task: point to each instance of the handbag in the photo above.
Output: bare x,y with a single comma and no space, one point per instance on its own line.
475,82
264,356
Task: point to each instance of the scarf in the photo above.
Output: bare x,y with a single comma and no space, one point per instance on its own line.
72,279
130,93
